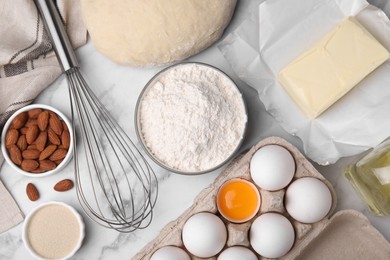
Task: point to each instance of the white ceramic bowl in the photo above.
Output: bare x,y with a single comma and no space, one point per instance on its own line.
31,214
59,167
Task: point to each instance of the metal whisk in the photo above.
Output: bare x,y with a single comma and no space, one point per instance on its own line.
117,188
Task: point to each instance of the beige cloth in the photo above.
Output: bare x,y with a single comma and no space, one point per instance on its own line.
27,66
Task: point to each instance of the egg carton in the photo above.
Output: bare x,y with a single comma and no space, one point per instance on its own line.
344,235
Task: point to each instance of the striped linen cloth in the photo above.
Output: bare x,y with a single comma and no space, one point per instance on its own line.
27,66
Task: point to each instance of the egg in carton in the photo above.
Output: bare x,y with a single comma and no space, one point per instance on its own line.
345,234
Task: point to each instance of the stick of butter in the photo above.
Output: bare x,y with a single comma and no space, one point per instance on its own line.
326,72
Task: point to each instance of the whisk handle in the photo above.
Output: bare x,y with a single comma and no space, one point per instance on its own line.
55,28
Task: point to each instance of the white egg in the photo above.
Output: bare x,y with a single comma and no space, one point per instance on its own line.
272,235
237,253
308,200
170,253
272,167
204,234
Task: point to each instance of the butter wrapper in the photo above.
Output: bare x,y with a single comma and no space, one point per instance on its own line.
278,32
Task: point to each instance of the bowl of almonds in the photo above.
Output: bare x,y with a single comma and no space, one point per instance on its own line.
37,141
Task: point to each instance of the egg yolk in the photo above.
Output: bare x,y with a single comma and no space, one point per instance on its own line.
238,200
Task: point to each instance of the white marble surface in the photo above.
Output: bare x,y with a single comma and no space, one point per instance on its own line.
118,87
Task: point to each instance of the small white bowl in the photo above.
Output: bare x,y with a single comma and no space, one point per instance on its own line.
60,166
31,215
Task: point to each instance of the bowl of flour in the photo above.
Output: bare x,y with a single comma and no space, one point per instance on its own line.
191,118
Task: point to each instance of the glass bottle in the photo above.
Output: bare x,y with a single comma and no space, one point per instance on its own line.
370,177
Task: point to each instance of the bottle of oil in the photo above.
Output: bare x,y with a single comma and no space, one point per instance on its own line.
370,177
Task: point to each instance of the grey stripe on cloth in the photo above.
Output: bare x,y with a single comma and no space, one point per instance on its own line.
27,66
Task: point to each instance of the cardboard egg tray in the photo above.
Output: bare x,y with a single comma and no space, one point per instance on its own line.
344,235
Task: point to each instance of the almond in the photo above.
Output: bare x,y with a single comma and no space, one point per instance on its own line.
29,165
32,134
41,141
65,139
32,192
63,185
38,170
43,120
55,123
15,154
23,130
11,137
32,146
31,122
34,113
57,162
49,150
58,154
47,165
64,126
22,143
30,154
19,120
53,137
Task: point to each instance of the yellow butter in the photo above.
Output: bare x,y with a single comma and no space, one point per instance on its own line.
339,61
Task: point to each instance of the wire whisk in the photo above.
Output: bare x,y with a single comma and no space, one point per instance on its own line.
115,184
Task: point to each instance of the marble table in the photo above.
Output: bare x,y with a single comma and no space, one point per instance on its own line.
118,87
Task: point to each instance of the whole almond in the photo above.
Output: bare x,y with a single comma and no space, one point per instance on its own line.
38,170
41,141
15,154
43,120
58,154
31,122
57,162
32,192
32,146
53,137
34,113
63,185
11,137
49,150
47,165
22,143
55,123
23,130
29,165
32,134
30,154
65,139
64,126
19,120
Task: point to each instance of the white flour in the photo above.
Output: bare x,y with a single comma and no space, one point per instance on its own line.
192,118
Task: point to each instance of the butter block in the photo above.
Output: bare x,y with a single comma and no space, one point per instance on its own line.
333,66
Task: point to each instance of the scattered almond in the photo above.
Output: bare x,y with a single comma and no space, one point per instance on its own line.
29,165
49,150
32,192
43,120
32,134
55,123
30,154
53,137
41,141
58,154
22,143
11,137
65,139
34,113
19,120
47,165
15,154
63,185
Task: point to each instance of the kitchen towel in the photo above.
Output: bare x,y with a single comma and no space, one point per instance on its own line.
27,66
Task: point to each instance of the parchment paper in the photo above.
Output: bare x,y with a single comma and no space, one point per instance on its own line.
277,33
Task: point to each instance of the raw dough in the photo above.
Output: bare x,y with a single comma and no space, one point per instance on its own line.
149,32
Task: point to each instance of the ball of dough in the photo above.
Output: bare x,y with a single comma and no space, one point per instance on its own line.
139,32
